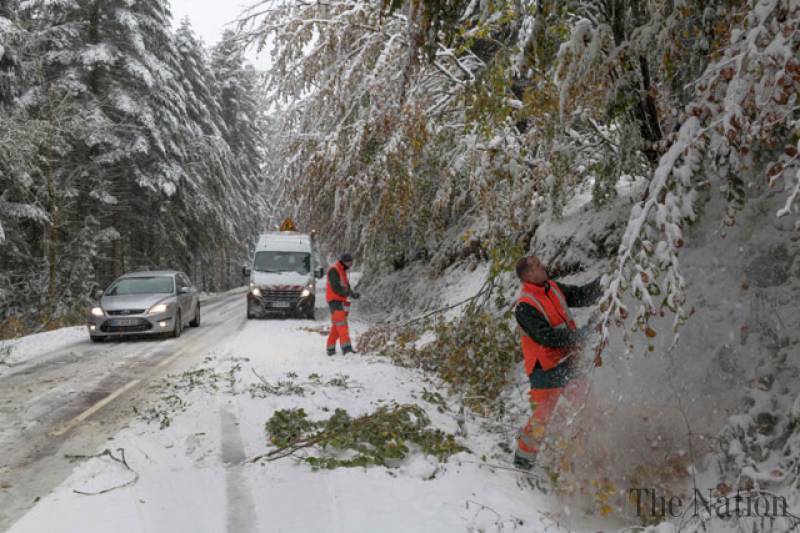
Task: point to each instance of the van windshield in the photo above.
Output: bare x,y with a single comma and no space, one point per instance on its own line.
299,262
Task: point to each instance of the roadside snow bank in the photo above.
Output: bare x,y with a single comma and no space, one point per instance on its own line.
17,351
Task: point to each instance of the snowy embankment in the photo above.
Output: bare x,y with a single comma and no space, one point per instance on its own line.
714,410
188,452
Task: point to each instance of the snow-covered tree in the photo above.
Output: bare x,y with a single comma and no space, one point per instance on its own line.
115,154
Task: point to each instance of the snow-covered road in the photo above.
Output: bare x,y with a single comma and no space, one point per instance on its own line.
63,377
183,412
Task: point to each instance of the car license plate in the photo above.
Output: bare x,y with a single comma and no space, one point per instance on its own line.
280,304
125,322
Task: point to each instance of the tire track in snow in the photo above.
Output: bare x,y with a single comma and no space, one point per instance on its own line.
240,507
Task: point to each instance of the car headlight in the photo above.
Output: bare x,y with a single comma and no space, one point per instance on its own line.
305,293
256,291
97,311
158,308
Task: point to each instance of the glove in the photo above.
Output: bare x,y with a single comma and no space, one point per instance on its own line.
355,295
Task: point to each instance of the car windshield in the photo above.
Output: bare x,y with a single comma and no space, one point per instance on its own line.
299,262
142,285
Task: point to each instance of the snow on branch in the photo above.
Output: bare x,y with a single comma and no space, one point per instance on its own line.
739,122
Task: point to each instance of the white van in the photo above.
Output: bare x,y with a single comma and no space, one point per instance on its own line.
283,275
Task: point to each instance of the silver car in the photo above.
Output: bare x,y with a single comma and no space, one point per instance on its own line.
145,303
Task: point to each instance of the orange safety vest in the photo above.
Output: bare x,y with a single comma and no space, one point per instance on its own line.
551,303
331,296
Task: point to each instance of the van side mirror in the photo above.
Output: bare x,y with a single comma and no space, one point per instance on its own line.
245,271
318,273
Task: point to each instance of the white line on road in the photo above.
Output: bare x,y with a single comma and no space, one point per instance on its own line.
93,409
114,395
111,397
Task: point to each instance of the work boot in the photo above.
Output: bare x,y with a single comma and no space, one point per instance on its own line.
348,349
332,351
523,463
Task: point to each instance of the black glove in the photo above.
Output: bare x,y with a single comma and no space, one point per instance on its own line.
355,295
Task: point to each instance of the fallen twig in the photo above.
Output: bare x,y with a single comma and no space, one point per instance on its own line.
107,453
487,287
491,466
264,381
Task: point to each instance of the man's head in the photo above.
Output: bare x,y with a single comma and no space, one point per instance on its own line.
531,270
347,260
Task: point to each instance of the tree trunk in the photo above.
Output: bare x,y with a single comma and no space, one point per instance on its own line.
51,241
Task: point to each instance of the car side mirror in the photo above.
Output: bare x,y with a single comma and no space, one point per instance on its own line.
98,294
185,290
319,273
245,271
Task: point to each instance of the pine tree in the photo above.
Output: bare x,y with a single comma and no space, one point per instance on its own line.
115,153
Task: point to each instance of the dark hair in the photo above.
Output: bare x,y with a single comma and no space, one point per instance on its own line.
522,266
346,258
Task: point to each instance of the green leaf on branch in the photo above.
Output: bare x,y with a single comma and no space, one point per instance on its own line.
383,437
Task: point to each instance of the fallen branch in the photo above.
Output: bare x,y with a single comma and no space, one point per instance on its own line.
491,466
107,453
378,438
285,451
488,286
264,381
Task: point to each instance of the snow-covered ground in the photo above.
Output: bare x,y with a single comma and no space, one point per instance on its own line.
196,426
188,447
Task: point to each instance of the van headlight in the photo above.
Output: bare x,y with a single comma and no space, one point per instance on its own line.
97,311
158,308
256,291
305,293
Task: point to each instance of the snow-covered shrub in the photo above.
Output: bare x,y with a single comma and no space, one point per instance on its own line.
475,355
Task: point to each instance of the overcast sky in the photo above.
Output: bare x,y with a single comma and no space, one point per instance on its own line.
211,17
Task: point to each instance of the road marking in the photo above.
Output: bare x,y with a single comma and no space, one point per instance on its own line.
111,397
117,393
171,358
93,409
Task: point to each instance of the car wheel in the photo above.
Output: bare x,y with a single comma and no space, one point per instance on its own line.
178,326
195,323
249,314
97,338
310,314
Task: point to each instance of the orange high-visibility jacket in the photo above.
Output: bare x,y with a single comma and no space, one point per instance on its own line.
551,303
330,295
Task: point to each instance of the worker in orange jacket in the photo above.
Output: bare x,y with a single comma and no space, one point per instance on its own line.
338,294
549,338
